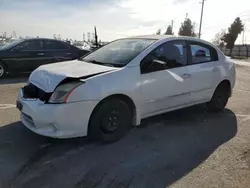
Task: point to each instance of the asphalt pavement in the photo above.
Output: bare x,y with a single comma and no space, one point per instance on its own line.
186,148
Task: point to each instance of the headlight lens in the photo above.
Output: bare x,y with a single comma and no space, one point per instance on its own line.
62,92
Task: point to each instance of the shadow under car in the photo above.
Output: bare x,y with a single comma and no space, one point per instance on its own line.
162,150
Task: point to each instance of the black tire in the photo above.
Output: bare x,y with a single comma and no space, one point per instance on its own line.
220,98
110,121
2,70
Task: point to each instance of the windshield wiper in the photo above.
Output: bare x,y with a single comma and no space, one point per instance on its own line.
102,63
93,61
99,63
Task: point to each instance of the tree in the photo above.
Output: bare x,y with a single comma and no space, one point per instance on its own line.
187,28
169,30
233,31
158,32
217,40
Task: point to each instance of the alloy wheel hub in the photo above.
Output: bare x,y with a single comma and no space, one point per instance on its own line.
111,122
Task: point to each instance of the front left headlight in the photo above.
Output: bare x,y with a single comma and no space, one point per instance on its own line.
62,92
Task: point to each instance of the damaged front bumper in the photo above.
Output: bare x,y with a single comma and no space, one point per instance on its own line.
55,120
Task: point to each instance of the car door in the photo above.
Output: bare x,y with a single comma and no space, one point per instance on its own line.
27,56
205,70
57,51
167,88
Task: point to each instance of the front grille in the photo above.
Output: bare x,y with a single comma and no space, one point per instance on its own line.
30,91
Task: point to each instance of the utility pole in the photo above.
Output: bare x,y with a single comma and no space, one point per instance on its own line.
201,17
243,34
83,36
172,26
96,37
88,36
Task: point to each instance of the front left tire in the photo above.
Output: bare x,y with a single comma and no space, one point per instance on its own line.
110,121
2,70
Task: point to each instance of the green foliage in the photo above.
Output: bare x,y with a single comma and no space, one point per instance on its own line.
187,28
169,30
233,31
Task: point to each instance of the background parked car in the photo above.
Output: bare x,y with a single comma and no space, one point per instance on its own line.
82,45
28,54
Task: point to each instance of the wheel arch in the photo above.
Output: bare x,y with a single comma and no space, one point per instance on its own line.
122,97
228,83
4,64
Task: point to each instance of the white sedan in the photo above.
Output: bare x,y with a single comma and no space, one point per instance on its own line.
116,86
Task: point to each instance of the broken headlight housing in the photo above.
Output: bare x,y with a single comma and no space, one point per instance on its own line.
62,92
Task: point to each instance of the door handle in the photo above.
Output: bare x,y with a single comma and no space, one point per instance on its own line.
215,69
185,76
68,53
40,54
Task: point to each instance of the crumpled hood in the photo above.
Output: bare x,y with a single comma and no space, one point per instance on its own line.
47,77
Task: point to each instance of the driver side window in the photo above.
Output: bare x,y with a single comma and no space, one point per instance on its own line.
31,45
173,54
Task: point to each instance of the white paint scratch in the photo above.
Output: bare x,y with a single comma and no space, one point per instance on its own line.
6,106
240,115
243,116
243,90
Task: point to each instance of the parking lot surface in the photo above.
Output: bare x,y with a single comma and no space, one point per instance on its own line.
186,148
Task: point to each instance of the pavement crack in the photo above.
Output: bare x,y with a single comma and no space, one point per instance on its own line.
89,180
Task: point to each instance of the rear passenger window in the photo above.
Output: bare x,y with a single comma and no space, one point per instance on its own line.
55,45
202,53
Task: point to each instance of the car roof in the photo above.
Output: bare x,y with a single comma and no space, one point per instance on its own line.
163,37
155,37
26,39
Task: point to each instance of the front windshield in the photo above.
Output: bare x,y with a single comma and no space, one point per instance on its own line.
12,44
118,53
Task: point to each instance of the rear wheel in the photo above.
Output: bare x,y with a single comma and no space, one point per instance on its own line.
220,98
2,70
110,121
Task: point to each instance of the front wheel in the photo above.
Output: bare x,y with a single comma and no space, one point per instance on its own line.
220,98
110,121
2,70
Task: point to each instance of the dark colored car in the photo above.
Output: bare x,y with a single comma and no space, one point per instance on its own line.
28,54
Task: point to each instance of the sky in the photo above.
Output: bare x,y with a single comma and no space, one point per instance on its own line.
117,18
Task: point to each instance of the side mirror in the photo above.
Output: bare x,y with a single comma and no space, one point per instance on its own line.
14,50
153,66
17,49
159,65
